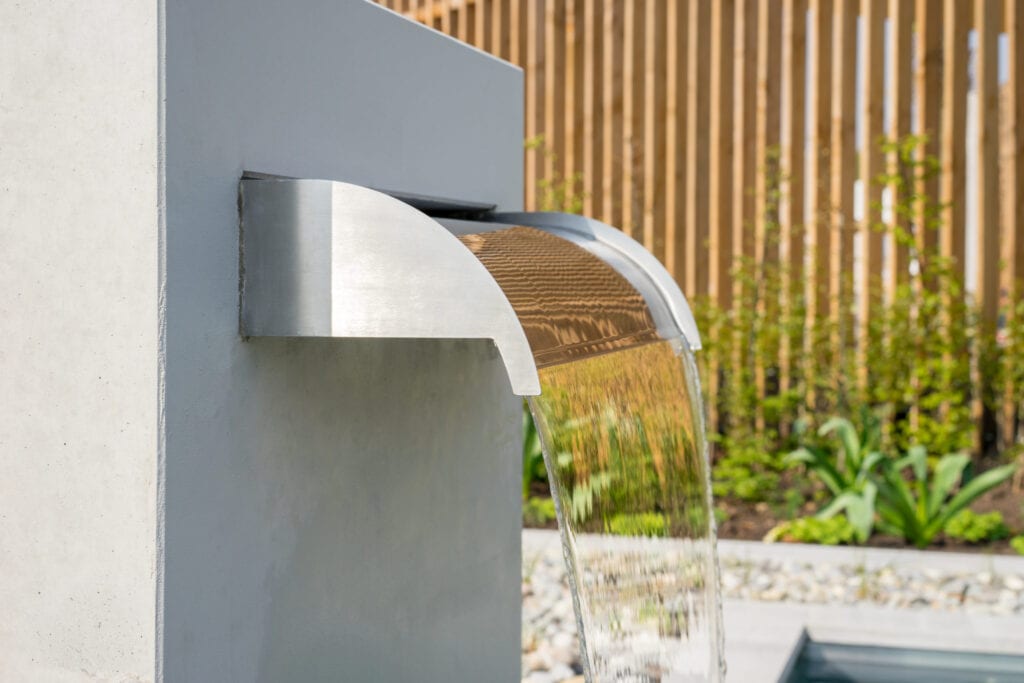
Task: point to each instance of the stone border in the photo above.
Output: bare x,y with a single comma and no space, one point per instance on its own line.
871,558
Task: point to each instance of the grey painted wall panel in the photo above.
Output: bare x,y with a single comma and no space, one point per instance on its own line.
78,340
335,510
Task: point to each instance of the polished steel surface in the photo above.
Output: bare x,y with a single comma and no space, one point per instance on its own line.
668,306
570,303
331,259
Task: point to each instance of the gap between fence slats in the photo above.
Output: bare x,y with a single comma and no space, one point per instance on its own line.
954,131
697,117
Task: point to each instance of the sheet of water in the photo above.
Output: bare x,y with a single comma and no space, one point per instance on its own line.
624,445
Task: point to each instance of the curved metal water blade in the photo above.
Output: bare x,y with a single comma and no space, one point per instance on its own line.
622,426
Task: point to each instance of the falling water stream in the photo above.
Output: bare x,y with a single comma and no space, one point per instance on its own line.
623,439
622,426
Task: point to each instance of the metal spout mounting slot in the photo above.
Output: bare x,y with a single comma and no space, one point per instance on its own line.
330,259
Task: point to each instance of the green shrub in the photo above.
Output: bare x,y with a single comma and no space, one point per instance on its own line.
922,339
745,469
538,511
1017,543
969,526
832,531
847,472
919,508
649,524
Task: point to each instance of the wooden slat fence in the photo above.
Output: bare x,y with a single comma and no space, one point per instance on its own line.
668,113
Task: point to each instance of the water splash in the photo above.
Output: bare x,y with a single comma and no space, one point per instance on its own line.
624,445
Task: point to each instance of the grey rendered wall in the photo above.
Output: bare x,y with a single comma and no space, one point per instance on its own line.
78,340
334,510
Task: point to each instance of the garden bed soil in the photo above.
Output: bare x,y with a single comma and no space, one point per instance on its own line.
751,521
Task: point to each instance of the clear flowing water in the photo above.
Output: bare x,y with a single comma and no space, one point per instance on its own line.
624,446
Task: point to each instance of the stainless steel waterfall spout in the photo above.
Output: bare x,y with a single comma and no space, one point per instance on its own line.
330,259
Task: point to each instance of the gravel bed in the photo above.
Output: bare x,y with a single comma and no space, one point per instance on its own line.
550,647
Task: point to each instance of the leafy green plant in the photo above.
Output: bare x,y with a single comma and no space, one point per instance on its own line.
925,338
649,524
538,511
847,472
831,531
919,508
746,469
972,527
1017,543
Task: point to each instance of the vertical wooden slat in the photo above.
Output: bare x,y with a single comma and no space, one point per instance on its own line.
697,116
574,119
554,62
745,163
843,164
611,133
654,129
901,18
767,127
1013,210
766,141
791,166
445,7
534,93
819,94
720,169
481,24
499,40
471,9
1015,168
515,32
821,244
632,123
720,160
954,124
986,22
460,22
675,137
872,164
929,82
987,90
593,43
571,88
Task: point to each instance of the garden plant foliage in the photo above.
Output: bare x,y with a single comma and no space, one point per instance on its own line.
921,346
977,528
905,496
